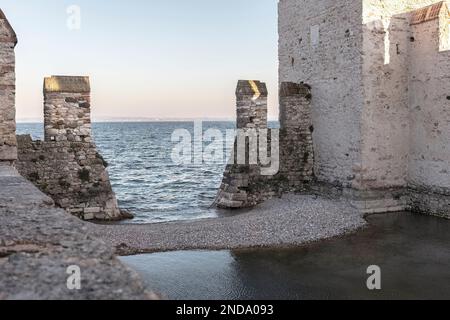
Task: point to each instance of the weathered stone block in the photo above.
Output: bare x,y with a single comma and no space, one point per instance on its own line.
88,216
92,210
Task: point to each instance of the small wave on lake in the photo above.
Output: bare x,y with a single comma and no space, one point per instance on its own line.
143,175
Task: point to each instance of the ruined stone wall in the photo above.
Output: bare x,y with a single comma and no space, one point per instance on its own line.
246,184
242,175
67,166
8,41
72,173
320,44
429,99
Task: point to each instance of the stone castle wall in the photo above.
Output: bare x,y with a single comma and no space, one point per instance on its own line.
386,110
379,97
405,125
320,44
429,101
8,41
67,165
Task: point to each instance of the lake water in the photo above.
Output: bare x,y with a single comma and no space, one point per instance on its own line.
411,250
143,175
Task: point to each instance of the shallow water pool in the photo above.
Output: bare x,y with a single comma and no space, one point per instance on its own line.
412,251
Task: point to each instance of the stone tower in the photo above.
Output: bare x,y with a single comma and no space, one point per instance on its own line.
378,72
8,41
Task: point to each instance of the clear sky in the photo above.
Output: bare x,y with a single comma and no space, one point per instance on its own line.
147,58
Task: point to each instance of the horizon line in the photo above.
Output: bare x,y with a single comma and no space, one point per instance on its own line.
112,120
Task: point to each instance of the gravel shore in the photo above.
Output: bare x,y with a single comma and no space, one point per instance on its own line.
291,221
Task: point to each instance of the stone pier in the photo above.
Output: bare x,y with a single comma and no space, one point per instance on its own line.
67,165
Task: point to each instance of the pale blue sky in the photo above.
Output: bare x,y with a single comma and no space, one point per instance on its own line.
147,58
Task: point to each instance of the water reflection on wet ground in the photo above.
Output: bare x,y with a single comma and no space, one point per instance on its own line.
412,251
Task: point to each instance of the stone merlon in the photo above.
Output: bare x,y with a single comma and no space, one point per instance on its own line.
251,87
